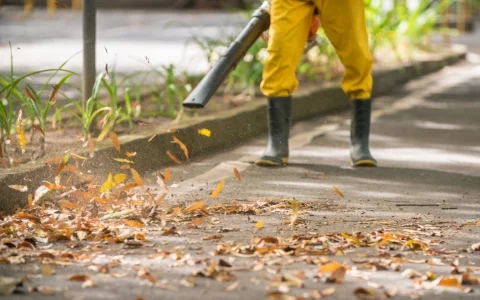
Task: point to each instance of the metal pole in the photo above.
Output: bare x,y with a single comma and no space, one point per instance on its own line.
89,39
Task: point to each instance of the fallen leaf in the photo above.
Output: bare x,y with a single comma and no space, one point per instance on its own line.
88,283
144,273
197,221
475,247
188,281
124,167
449,281
362,292
171,130
79,156
130,154
237,174
119,178
134,223
337,191
78,277
205,132
20,188
259,225
294,204
174,158
218,189
68,205
214,236
115,142
46,255
182,146
123,160
168,175
232,286
136,177
330,267
195,206
108,184
328,291
390,293
47,270
152,137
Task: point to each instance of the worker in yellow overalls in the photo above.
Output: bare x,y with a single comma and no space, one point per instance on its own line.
344,25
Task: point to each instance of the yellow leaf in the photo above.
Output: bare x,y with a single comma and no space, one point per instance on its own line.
182,146
108,184
136,177
174,158
218,189
130,154
168,175
194,206
20,188
259,225
337,191
22,140
237,174
134,223
120,177
205,132
123,160
115,141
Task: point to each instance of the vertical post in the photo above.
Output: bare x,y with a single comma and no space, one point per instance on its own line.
89,39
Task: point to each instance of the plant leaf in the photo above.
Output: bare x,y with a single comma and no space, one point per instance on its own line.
168,175
120,177
218,189
259,225
108,184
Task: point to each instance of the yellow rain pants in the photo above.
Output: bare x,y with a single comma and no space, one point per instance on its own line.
344,25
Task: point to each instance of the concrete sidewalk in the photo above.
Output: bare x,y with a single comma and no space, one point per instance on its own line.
427,186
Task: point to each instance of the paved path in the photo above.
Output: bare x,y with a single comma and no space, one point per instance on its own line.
427,186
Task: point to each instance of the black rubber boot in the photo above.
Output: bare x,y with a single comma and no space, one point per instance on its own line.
359,132
276,154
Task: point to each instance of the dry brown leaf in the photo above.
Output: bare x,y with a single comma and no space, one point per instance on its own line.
196,222
26,216
362,292
214,236
134,223
218,189
20,188
147,275
174,158
91,146
115,141
68,205
61,5
168,175
337,191
123,160
328,291
30,200
205,132
124,167
161,183
78,277
55,160
22,140
232,286
259,225
130,154
195,206
294,205
152,137
182,146
136,177
237,174
79,156
54,94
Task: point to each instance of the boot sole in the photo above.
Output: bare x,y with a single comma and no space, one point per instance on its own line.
271,163
364,163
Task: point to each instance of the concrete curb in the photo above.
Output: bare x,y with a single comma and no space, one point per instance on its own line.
228,128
